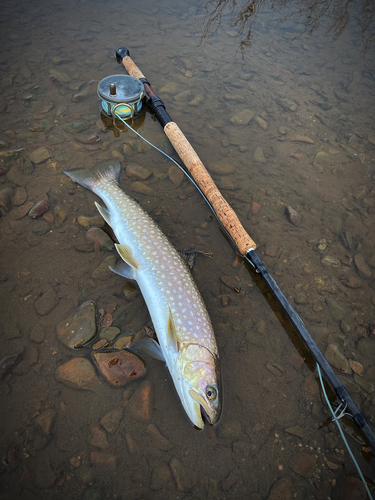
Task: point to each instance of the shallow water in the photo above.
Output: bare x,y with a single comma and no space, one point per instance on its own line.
313,87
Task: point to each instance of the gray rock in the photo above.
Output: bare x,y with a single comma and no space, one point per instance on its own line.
259,155
79,328
46,302
244,117
75,128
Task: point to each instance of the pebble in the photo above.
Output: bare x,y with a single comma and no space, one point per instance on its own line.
107,321
293,216
40,155
366,347
136,170
99,344
311,386
176,175
140,404
337,312
356,367
38,209
88,221
365,384
98,438
337,359
60,215
119,367
169,88
111,420
244,117
75,128
286,104
160,477
185,478
321,159
221,167
78,373
46,302
303,464
258,155
79,328
296,430
255,208
330,261
97,235
103,460
141,188
363,269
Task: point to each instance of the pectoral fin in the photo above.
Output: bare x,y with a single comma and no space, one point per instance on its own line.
172,335
149,347
126,254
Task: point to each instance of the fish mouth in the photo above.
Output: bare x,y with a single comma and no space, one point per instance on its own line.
205,414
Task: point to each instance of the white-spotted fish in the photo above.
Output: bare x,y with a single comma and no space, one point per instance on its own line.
186,339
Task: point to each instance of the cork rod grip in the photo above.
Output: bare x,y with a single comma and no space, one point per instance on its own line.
132,68
224,212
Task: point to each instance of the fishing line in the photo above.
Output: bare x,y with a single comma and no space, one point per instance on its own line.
335,418
116,115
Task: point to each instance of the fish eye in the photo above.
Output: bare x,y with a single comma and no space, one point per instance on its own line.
211,393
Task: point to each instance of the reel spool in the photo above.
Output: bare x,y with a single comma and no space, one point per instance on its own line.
122,94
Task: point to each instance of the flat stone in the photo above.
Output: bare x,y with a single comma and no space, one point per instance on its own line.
255,208
37,334
176,175
119,367
97,236
221,167
160,477
337,312
109,333
98,438
363,269
158,440
296,430
46,302
258,155
45,420
337,359
140,404
169,88
141,188
88,221
244,117
40,155
111,420
303,464
20,212
261,122
365,384
103,460
103,272
185,478
366,347
281,490
184,96
20,196
78,373
136,170
357,367
79,328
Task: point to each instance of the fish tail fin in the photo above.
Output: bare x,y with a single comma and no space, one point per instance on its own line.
109,169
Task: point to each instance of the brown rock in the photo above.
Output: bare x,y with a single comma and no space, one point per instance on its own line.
311,386
119,367
158,440
78,373
46,302
111,421
176,175
303,464
281,490
255,207
160,477
22,211
38,209
301,138
135,170
102,459
98,438
79,328
141,188
45,420
140,403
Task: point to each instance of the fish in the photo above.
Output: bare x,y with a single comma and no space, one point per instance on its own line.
185,336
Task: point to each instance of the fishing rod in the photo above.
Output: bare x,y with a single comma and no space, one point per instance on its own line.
245,244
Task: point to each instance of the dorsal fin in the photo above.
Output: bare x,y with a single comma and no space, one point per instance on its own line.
126,254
